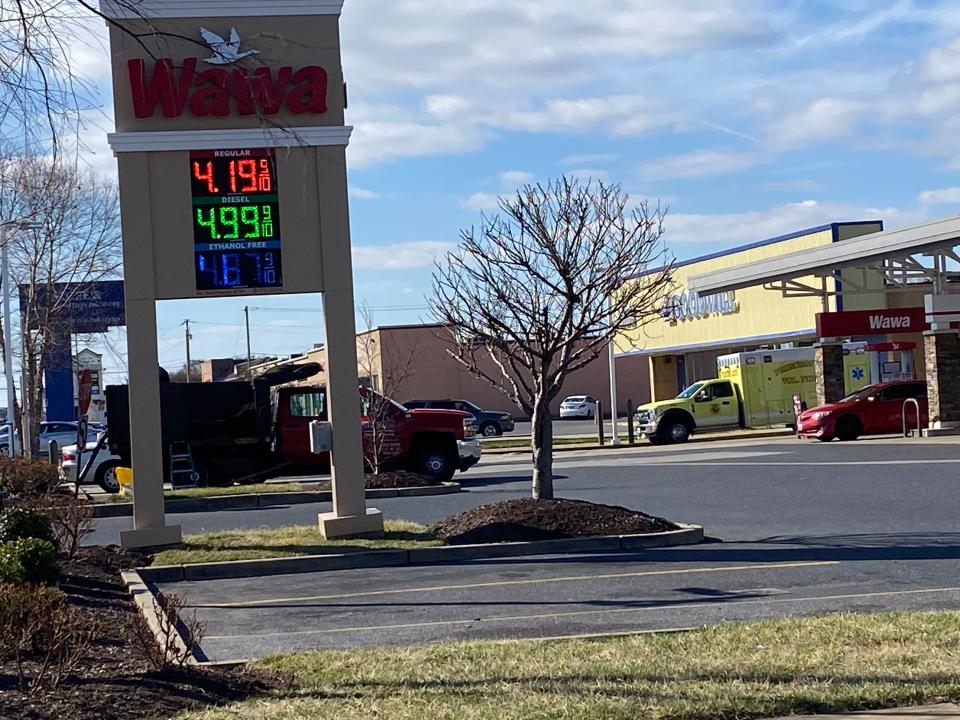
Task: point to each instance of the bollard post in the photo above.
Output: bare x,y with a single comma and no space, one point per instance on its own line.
631,437
53,452
599,418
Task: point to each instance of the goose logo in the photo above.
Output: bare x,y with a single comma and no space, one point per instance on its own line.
225,52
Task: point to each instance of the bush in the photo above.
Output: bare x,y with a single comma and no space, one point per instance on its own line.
28,561
21,522
42,635
70,518
28,478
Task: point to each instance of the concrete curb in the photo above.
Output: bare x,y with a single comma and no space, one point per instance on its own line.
643,444
687,535
253,500
146,603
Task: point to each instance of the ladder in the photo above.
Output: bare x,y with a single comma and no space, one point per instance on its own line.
183,473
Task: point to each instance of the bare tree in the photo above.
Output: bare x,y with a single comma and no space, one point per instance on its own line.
383,370
76,243
543,286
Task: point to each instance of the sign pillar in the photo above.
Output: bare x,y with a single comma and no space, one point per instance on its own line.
232,157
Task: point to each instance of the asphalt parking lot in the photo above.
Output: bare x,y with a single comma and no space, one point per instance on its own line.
796,527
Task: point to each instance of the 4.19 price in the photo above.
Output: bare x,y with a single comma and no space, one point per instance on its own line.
237,222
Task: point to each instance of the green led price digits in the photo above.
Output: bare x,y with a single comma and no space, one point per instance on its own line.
229,222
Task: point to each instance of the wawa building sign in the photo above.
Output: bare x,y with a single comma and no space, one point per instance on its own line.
871,322
205,87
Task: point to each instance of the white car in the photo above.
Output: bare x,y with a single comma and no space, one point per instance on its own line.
578,406
103,472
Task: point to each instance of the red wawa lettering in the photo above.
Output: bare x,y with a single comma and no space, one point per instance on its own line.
218,92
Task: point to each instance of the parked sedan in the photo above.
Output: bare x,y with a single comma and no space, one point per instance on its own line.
103,472
489,422
873,410
578,406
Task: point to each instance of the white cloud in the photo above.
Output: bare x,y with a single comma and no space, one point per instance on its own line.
944,196
728,228
587,159
621,115
379,142
399,256
588,174
514,178
497,43
363,193
826,119
699,163
480,201
940,65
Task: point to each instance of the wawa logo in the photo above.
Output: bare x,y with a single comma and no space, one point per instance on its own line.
882,322
219,92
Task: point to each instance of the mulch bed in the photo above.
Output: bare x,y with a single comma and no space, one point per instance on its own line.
391,481
529,519
116,681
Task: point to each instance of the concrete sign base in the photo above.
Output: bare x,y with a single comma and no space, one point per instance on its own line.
341,526
152,537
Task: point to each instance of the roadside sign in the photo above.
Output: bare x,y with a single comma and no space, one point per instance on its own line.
85,391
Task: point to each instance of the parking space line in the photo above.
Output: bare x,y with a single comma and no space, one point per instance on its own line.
532,581
580,613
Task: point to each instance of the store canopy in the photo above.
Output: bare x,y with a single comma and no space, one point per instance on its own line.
922,253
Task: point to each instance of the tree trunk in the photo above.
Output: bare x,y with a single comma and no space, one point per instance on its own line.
542,444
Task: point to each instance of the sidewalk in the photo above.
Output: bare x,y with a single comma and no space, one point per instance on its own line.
930,712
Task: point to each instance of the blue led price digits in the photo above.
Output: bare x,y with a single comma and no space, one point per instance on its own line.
236,227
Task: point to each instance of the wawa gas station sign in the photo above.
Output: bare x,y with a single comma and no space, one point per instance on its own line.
230,141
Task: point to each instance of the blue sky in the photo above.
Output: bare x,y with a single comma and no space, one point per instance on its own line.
748,118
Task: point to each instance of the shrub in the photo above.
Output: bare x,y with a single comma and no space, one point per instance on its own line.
28,561
43,635
28,478
70,517
24,522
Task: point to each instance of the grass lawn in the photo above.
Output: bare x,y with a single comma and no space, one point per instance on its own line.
727,672
288,542
202,492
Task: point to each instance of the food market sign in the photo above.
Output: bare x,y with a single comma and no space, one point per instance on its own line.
231,153
231,145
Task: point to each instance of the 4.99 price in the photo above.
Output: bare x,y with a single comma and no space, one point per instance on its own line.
237,222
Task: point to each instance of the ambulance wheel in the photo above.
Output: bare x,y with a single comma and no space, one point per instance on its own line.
676,431
848,428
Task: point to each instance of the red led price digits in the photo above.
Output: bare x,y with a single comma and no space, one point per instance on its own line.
204,173
246,176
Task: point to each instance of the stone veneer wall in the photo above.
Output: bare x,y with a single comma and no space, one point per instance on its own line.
942,353
828,362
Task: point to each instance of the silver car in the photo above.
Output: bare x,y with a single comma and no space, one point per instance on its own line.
578,406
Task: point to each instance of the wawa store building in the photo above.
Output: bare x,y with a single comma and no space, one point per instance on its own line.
685,340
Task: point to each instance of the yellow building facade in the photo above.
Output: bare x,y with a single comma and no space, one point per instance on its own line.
684,341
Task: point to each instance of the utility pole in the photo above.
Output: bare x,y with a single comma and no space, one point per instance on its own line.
6,230
188,337
612,352
246,312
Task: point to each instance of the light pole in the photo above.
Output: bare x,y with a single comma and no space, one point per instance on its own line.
612,352
6,230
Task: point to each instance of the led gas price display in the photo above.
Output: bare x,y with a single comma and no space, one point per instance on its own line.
236,219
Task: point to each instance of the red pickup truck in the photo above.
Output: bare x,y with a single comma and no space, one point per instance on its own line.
252,431
430,442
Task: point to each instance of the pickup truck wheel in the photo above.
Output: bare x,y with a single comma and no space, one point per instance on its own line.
437,462
675,431
848,428
106,477
489,429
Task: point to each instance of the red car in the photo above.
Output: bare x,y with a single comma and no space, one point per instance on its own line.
873,410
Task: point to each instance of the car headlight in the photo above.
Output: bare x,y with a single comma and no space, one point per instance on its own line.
820,414
469,427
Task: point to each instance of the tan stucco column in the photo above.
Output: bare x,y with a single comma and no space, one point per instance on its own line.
350,516
828,365
150,529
